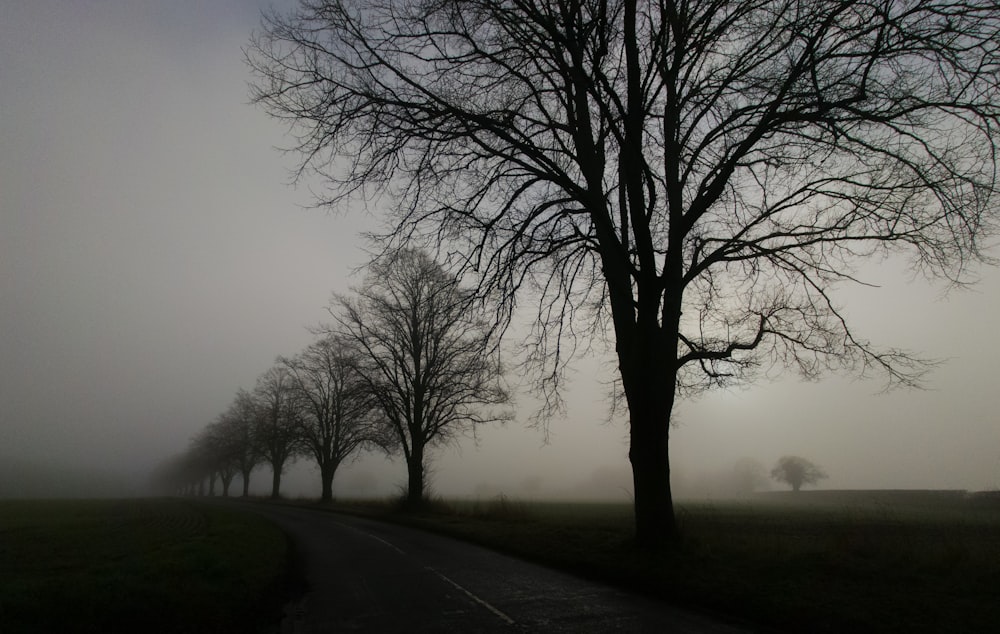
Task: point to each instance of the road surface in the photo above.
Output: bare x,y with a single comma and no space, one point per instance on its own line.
370,576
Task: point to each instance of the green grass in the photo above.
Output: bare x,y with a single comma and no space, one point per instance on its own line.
153,566
817,561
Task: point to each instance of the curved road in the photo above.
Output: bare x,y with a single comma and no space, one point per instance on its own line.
369,576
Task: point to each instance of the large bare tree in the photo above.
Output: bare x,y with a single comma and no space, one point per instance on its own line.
333,403
425,357
698,175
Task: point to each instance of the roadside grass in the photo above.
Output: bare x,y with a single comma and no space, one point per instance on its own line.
138,565
901,561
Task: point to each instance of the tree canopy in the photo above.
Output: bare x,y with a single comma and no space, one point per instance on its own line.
796,471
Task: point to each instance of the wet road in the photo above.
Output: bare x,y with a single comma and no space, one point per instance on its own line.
369,576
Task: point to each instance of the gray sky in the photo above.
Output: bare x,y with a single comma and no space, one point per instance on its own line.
153,259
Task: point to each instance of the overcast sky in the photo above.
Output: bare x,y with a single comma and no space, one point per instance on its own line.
153,259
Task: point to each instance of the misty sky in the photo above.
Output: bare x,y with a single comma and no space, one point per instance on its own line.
153,259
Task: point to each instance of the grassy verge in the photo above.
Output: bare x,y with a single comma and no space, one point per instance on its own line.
156,566
904,563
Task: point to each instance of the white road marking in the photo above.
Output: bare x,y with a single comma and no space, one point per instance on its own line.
481,602
390,545
367,534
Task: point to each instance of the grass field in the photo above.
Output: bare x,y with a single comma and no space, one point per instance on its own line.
151,566
817,561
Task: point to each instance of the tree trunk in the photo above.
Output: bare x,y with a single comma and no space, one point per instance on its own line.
246,484
649,384
649,377
655,524
327,471
415,480
275,483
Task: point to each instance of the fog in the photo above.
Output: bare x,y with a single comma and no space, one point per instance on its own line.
154,259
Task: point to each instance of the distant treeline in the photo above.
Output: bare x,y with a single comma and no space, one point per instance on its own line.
908,497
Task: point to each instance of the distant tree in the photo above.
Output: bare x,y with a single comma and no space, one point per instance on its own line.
222,449
239,422
333,403
219,451
425,356
796,471
202,452
698,177
276,422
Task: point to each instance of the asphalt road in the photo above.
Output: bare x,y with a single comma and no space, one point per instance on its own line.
369,576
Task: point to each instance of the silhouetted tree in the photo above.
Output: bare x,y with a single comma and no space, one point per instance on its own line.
221,445
204,460
239,421
276,422
333,405
425,356
220,450
697,175
796,471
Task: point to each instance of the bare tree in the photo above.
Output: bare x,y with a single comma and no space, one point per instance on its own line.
222,445
203,454
333,403
795,471
239,421
699,175
425,357
276,422
221,450
199,466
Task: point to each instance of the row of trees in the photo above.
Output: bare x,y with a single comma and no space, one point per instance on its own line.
407,363
696,177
